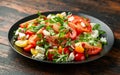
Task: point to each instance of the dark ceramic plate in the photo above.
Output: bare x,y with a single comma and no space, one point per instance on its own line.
109,35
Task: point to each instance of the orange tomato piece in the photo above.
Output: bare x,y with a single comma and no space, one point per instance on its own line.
79,49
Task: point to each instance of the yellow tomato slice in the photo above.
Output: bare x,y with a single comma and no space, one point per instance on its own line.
21,43
33,51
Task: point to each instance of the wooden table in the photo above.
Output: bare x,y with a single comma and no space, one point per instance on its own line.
12,63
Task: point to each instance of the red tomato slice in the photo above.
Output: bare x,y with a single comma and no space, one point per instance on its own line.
28,47
83,29
76,27
91,50
94,50
65,50
79,57
73,34
28,32
76,23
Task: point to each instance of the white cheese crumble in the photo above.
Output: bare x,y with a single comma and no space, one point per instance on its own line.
71,56
42,22
78,44
39,56
21,35
27,36
63,13
46,33
83,24
103,39
92,24
18,31
40,49
71,18
49,16
95,33
66,26
54,46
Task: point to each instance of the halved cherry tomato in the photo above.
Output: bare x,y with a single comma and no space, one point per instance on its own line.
79,57
66,50
28,47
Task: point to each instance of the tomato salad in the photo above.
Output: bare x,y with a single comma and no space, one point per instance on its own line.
60,37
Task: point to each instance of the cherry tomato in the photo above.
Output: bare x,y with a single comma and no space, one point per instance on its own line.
28,47
79,57
66,50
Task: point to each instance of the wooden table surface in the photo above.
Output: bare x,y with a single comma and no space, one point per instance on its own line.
12,63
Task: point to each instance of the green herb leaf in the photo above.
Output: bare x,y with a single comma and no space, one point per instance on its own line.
96,27
48,28
68,43
36,28
39,35
101,32
61,34
39,14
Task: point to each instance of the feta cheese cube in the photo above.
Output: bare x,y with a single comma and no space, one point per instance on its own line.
95,33
46,33
63,13
71,18
103,39
83,24
71,56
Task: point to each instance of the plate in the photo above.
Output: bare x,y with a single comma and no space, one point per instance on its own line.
109,36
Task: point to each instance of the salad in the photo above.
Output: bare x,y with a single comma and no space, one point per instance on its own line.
61,37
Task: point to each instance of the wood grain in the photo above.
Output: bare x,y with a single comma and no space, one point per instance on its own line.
12,63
